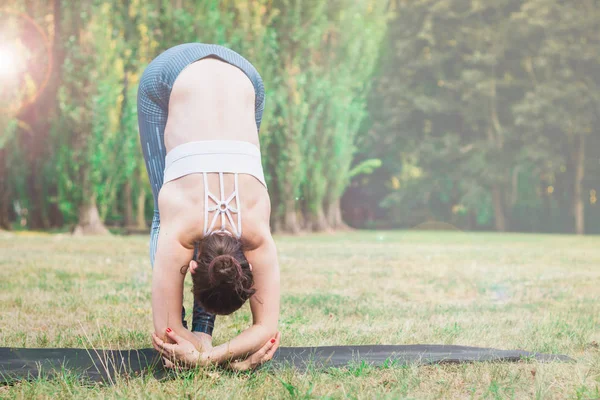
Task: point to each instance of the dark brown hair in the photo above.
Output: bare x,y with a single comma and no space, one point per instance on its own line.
223,280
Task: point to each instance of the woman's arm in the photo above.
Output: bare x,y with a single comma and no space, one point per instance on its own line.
167,284
264,305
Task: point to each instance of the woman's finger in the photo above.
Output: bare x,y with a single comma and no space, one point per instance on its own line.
173,364
173,336
154,344
277,339
167,355
168,363
162,344
167,348
264,350
256,358
273,349
164,353
193,266
239,365
271,352
156,339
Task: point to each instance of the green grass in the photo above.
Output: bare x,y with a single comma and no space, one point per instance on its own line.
534,292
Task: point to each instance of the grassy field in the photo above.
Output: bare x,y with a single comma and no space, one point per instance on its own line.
534,292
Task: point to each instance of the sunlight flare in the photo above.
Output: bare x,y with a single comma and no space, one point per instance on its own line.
11,62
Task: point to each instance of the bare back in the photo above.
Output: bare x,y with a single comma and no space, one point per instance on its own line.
212,100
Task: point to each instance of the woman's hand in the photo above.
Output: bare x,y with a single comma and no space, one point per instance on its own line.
204,341
181,353
260,357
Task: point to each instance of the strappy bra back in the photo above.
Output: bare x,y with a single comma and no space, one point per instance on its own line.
217,156
222,207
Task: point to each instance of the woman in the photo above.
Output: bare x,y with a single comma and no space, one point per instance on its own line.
199,112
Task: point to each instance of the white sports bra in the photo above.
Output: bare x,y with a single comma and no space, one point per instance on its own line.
222,156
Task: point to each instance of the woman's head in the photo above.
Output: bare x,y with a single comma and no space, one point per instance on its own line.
222,278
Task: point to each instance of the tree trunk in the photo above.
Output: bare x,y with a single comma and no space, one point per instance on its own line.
276,223
318,220
495,138
55,216
4,195
578,202
89,220
39,113
128,200
141,210
471,220
290,218
36,212
499,213
334,216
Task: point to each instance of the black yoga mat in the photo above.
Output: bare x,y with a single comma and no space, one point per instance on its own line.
103,365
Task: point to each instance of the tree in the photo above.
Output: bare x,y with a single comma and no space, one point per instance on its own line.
322,81
461,103
34,31
75,128
562,102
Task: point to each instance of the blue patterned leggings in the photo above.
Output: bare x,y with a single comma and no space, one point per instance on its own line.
153,101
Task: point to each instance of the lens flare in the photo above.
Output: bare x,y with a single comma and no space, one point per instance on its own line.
11,62
25,66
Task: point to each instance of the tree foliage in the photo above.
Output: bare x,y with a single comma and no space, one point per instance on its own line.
316,58
481,114
485,109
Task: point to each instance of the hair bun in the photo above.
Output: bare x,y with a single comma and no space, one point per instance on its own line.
223,280
223,260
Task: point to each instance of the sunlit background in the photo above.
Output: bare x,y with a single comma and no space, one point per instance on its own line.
404,119
24,61
443,114
11,64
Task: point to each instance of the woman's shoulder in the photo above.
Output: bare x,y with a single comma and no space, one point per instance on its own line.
182,211
185,191
255,233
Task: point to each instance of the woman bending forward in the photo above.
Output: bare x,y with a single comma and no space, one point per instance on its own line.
199,112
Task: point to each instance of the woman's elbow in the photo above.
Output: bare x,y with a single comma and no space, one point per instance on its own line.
268,330
271,330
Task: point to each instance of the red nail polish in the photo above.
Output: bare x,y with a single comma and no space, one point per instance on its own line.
272,340
169,330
